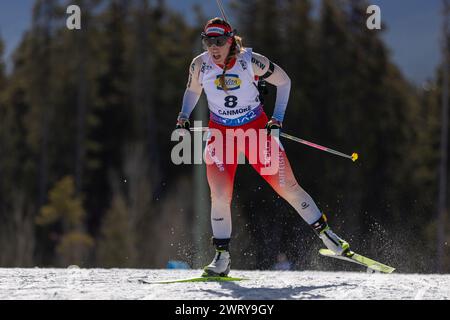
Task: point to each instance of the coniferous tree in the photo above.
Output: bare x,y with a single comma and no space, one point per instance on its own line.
431,116
40,70
141,207
117,247
17,236
111,112
66,209
82,45
17,187
299,35
2,67
2,99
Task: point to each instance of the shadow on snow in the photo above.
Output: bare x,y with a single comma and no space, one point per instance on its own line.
291,292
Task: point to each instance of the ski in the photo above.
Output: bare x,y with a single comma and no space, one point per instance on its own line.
359,259
198,279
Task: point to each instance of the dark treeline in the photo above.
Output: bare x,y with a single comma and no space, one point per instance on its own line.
86,119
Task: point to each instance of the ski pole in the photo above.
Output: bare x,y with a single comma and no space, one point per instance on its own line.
352,157
219,3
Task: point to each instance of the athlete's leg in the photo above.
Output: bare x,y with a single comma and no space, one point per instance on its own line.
220,176
285,183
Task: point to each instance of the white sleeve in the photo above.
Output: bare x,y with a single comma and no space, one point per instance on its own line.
193,90
281,80
190,100
276,76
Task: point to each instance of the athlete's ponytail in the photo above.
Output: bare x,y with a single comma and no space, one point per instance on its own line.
235,49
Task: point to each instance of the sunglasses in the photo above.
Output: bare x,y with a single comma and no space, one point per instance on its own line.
218,41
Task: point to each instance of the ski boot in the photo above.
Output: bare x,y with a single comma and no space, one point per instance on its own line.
220,266
329,238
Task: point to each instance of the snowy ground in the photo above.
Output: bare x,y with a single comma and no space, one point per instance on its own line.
93,284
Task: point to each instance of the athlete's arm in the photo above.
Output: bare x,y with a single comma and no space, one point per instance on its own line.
193,90
273,74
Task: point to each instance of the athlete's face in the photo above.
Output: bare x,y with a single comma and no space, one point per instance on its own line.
220,53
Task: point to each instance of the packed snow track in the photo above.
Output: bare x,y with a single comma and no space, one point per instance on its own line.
123,284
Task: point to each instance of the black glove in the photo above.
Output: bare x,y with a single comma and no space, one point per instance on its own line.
273,124
183,123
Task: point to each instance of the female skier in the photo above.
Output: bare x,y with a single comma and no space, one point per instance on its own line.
229,74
